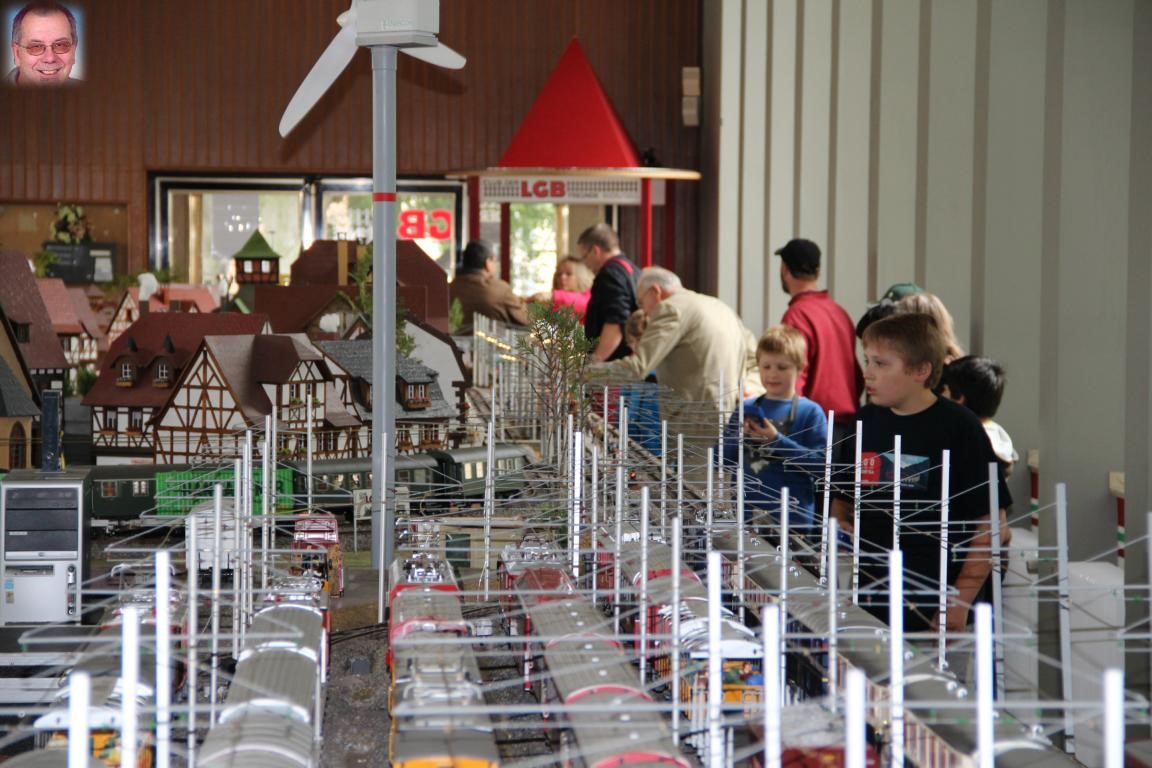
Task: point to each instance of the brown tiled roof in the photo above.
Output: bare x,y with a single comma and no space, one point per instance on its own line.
88,319
340,419
319,263
61,311
22,303
290,308
278,356
421,284
145,341
200,296
233,355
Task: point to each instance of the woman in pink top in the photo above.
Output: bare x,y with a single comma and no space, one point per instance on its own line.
571,286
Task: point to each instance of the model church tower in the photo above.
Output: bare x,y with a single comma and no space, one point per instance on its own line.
256,264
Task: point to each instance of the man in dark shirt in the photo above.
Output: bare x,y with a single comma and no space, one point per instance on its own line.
613,292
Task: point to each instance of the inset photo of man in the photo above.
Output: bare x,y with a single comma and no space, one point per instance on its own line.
45,44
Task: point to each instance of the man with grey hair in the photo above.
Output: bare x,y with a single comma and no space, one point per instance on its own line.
690,342
43,44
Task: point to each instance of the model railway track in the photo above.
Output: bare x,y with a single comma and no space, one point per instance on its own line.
436,699
576,664
933,736
644,466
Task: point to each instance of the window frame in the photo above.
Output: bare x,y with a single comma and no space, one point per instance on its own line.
313,190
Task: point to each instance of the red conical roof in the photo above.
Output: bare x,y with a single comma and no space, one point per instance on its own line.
571,124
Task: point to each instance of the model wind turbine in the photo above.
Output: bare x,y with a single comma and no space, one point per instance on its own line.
384,26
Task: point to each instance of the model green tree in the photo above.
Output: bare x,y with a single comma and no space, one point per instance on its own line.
362,277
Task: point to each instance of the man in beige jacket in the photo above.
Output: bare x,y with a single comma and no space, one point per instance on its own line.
690,339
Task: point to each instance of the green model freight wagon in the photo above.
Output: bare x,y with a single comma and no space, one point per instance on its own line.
178,491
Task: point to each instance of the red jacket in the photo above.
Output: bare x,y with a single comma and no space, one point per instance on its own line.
833,377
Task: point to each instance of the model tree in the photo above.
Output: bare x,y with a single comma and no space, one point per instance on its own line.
555,351
362,277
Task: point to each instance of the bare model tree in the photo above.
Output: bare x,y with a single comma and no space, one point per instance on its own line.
555,352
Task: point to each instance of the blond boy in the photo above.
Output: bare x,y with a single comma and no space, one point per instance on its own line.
784,433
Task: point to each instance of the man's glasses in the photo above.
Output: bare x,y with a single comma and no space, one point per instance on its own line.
60,47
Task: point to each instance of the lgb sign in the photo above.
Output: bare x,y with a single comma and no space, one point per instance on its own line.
570,189
418,224
542,189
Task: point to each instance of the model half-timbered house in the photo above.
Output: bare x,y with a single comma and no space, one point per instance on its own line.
422,415
139,374
231,385
322,312
93,325
175,297
73,322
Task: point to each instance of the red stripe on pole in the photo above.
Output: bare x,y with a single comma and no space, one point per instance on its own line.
383,197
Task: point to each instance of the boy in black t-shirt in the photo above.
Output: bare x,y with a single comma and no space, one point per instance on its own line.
903,357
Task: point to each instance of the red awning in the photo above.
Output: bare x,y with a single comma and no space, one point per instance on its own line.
572,123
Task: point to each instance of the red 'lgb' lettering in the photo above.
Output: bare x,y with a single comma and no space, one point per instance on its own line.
440,224
411,226
416,224
542,188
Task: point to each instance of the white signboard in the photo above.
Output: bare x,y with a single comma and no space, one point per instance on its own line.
362,509
362,503
596,190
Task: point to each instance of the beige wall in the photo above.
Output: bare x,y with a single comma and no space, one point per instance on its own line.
982,149
996,152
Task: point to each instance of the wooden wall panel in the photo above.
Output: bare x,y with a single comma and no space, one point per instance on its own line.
200,88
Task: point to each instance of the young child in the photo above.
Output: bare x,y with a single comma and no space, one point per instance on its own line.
903,363
784,434
978,384
571,287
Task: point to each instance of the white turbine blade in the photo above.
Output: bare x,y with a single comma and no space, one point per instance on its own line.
324,72
441,56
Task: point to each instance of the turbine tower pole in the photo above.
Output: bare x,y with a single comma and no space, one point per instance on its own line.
383,300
